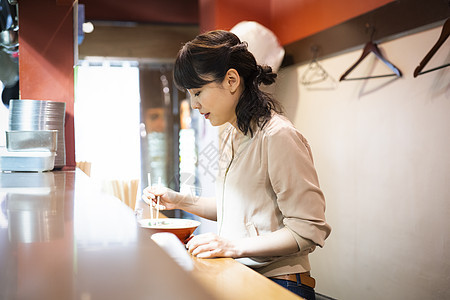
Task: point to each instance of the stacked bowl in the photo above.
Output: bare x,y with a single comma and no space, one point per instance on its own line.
40,115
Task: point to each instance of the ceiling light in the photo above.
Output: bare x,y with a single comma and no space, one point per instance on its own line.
88,27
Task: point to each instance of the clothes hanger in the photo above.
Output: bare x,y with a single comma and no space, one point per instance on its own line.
442,38
372,47
314,73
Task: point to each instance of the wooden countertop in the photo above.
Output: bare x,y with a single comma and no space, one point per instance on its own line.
228,279
62,238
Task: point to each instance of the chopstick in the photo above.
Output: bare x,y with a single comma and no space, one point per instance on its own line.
158,198
149,179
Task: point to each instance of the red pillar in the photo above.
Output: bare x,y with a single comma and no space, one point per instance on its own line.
46,58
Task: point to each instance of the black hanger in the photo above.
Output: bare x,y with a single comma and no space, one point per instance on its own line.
442,38
372,47
314,73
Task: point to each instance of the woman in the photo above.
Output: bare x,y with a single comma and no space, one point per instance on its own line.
269,207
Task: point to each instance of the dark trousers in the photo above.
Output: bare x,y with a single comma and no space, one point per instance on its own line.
297,288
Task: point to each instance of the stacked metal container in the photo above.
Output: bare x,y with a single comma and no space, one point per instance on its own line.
35,115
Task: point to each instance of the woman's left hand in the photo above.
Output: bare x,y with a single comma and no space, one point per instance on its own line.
210,245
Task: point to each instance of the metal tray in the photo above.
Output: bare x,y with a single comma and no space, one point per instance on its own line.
27,161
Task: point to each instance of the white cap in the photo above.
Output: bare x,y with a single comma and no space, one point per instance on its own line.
262,43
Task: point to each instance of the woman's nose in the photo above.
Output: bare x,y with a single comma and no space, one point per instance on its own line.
195,104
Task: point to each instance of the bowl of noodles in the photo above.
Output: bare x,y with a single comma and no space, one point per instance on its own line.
182,228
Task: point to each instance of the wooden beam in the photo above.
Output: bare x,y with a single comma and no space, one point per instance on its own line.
138,41
388,22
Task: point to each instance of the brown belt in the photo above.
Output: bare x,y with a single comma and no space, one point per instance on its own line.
305,278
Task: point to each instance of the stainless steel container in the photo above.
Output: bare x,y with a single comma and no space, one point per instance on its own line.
32,140
40,115
37,161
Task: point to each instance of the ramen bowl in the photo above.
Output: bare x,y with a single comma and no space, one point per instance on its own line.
182,228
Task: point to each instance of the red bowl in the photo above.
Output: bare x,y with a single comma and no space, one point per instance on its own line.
182,228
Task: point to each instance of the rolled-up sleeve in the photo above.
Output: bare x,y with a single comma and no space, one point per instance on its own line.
296,185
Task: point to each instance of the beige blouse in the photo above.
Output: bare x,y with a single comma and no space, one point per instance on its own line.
267,182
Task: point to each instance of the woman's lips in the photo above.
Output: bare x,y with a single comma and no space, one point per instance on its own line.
206,115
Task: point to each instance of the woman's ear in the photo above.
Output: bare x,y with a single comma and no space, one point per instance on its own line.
232,80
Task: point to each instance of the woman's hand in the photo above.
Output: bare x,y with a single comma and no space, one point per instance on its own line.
168,200
277,243
210,245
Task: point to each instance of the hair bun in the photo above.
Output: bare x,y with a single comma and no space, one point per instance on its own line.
265,75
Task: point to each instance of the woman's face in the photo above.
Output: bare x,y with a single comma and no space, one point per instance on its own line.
217,101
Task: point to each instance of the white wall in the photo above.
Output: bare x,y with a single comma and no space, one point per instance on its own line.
382,152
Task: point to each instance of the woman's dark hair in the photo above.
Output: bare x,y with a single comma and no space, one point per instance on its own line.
209,56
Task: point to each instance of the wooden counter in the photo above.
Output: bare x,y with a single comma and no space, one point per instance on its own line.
62,238
228,279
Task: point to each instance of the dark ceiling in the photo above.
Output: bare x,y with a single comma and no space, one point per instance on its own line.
143,11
